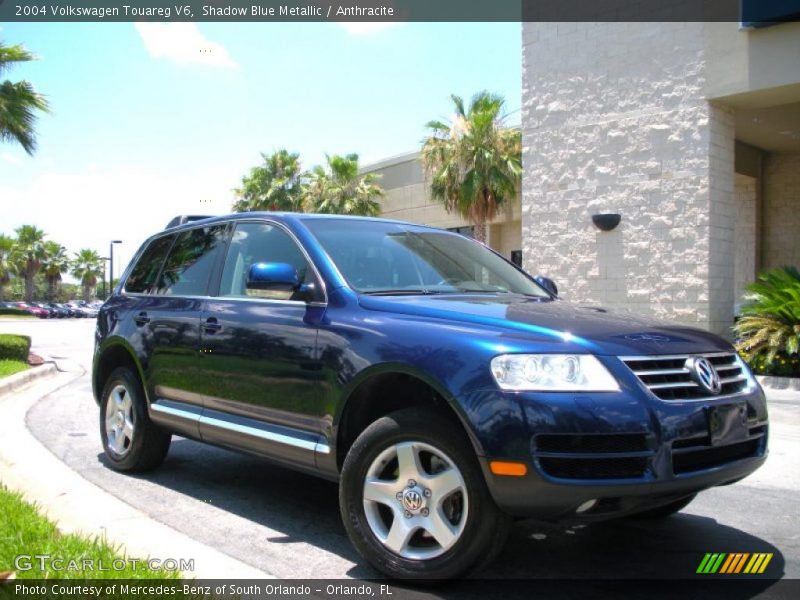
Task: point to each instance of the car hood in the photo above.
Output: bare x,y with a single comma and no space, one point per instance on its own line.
575,328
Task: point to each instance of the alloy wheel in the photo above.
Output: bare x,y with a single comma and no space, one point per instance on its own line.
415,500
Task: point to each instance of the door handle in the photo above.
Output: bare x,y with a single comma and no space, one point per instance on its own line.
141,319
211,325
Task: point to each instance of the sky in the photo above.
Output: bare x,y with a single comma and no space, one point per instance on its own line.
153,120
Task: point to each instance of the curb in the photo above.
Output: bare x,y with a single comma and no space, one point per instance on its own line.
79,506
19,380
773,382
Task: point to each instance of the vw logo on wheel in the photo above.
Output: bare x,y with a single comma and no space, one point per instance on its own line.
704,373
412,500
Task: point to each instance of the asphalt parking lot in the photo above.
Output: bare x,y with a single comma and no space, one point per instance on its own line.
288,524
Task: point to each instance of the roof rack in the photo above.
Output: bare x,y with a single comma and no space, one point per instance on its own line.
183,219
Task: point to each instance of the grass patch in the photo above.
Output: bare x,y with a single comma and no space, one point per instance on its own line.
9,367
25,531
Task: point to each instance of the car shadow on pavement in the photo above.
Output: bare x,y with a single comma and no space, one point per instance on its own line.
303,508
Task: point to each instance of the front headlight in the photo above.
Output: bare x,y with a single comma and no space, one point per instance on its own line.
552,373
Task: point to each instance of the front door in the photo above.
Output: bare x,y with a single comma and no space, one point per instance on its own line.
259,353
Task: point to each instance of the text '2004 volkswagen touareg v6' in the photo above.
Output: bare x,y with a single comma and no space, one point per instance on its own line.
446,390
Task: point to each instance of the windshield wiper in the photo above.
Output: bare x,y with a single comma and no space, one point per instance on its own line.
402,292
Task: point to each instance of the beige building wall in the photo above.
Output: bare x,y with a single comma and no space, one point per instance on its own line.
746,237
782,210
407,199
615,120
642,119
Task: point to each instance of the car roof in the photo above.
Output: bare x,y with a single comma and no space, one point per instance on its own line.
283,216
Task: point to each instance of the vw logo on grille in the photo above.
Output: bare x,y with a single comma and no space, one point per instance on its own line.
704,373
412,500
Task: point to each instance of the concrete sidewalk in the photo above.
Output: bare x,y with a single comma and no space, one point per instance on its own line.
79,506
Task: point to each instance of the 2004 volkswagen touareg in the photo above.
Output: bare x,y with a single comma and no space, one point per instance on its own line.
445,389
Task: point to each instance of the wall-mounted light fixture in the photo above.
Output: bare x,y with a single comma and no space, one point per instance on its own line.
606,221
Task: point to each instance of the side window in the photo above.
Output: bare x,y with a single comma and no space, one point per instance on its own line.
191,261
144,273
260,242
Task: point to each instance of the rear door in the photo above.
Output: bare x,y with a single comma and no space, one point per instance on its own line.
171,320
259,353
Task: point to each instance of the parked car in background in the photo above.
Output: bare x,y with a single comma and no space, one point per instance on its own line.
58,310
68,308
33,309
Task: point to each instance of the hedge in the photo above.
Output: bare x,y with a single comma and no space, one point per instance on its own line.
15,347
14,311
783,365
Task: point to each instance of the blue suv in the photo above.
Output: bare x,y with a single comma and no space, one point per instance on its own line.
446,390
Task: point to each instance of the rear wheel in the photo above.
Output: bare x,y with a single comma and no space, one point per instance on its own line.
667,510
414,501
130,440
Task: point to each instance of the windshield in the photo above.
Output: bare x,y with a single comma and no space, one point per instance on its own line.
383,258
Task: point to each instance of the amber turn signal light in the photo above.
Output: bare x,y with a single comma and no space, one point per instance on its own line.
512,469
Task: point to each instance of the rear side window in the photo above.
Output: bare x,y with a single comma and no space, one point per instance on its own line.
191,261
144,273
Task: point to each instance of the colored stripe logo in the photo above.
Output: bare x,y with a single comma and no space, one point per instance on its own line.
734,562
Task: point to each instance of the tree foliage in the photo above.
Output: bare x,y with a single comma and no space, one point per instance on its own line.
340,189
473,163
87,266
27,255
19,102
275,185
279,184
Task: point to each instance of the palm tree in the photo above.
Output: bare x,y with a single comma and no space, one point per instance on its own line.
27,255
341,190
87,267
55,263
275,185
6,264
18,102
473,164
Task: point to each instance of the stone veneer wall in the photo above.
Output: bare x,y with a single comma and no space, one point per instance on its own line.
615,120
746,239
782,210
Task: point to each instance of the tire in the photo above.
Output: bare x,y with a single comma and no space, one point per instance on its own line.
474,528
667,510
131,441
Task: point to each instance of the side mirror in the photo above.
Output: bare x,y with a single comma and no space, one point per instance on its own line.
276,277
547,283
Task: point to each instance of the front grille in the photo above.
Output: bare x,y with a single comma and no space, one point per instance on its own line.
593,456
669,379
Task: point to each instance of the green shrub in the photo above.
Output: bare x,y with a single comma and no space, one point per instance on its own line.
782,365
14,347
14,311
770,324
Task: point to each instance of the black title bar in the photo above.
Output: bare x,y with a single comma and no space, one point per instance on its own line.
750,12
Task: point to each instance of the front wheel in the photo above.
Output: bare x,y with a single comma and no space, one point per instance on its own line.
414,501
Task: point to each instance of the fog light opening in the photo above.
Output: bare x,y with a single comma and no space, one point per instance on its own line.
586,506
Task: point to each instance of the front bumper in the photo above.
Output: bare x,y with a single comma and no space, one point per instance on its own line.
626,451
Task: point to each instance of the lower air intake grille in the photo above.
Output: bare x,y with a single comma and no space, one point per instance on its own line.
594,468
707,458
634,442
593,456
